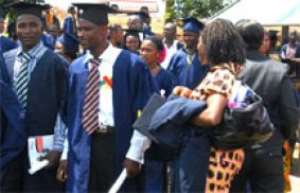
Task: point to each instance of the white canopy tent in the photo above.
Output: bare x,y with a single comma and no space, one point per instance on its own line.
267,12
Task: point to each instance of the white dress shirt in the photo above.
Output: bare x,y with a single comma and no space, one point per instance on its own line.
170,51
108,59
139,143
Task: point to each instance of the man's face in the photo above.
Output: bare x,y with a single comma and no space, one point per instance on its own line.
29,30
135,23
91,35
149,52
132,43
190,39
53,30
117,34
170,31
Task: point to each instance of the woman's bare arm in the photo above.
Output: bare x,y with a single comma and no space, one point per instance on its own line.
213,114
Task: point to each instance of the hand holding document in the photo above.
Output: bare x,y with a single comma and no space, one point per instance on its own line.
38,147
118,183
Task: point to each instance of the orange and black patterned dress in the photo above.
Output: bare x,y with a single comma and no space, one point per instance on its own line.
223,164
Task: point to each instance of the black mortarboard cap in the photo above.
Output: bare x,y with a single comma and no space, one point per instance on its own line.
192,24
28,8
47,6
95,13
70,42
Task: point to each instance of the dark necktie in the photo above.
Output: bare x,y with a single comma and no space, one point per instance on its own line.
90,115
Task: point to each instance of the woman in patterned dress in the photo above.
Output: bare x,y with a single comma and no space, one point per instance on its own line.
221,46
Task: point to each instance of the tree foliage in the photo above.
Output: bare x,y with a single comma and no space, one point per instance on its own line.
195,8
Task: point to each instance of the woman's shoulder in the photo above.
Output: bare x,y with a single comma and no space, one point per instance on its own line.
219,80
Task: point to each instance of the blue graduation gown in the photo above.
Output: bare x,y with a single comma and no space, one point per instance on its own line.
189,75
69,26
155,171
46,93
147,32
46,96
48,40
165,80
132,86
13,136
4,76
6,44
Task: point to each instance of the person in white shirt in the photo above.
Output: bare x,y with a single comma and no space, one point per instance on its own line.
170,43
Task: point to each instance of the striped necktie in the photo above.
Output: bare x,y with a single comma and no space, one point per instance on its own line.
90,115
23,80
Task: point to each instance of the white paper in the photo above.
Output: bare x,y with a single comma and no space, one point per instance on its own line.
118,183
38,166
38,147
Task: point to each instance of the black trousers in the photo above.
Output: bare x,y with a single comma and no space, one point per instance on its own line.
261,172
16,179
11,178
102,163
43,181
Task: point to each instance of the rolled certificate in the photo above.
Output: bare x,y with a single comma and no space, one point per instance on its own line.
118,183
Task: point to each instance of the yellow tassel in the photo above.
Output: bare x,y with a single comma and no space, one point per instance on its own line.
139,113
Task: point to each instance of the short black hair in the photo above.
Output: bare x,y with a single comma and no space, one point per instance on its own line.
71,9
115,27
223,43
133,33
156,41
252,32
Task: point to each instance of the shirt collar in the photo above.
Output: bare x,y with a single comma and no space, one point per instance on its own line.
33,52
103,57
173,44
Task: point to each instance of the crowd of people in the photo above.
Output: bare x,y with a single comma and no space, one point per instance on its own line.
84,85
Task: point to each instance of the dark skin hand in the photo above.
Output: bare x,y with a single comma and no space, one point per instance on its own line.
182,91
133,168
53,158
61,174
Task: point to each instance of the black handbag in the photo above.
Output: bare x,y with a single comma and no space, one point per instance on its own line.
243,127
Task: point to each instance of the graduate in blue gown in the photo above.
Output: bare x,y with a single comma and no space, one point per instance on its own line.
96,153
151,50
185,64
69,25
39,78
67,46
